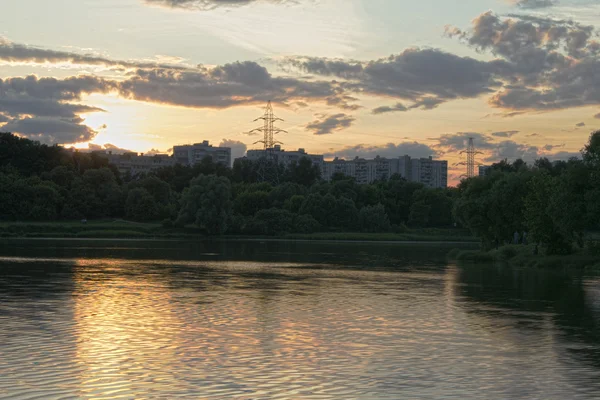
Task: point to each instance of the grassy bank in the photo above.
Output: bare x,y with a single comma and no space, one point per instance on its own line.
127,230
523,256
92,229
411,236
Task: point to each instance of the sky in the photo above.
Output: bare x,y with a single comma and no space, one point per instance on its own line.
348,77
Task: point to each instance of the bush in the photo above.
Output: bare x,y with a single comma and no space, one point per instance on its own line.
306,224
507,252
277,221
593,247
374,219
168,223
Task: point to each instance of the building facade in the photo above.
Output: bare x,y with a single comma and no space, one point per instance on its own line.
286,157
431,173
133,164
194,153
484,169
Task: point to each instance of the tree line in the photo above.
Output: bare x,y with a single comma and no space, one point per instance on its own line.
50,183
555,203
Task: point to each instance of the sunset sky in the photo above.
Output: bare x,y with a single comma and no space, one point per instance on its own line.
349,77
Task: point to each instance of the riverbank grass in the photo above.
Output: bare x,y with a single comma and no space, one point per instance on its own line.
126,229
523,256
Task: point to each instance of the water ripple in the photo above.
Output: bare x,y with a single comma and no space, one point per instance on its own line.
122,329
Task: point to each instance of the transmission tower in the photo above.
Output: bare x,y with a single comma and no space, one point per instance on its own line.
269,130
471,153
268,165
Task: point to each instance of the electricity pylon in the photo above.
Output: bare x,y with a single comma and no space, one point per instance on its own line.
268,165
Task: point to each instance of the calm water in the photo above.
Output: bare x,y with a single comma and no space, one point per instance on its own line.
250,320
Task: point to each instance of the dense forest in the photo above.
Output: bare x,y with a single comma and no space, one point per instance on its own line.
49,183
556,203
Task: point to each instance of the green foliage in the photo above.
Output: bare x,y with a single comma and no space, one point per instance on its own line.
141,206
249,203
276,221
303,172
306,224
294,203
373,219
207,203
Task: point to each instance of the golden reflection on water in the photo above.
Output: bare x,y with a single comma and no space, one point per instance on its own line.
119,328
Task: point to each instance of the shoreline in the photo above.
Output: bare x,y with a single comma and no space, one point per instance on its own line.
233,239
125,230
521,256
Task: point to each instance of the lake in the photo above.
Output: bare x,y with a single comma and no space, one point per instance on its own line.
304,320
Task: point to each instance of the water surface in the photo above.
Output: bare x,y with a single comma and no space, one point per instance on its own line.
138,319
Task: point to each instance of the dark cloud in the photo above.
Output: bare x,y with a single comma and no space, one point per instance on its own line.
387,109
238,149
326,124
11,52
511,150
428,77
51,130
532,4
545,64
505,134
454,142
4,118
550,147
580,125
390,150
40,108
241,83
211,4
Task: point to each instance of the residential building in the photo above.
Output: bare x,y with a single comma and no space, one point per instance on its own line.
192,154
432,173
133,163
484,170
286,157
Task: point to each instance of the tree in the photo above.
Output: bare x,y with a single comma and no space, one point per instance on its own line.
345,214
207,203
249,203
374,219
303,172
306,224
141,206
275,220
539,221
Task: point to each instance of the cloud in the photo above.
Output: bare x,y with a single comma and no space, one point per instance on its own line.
211,4
40,108
326,124
511,151
505,134
238,149
428,77
51,130
532,4
240,83
11,52
390,150
454,142
387,109
579,125
545,64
